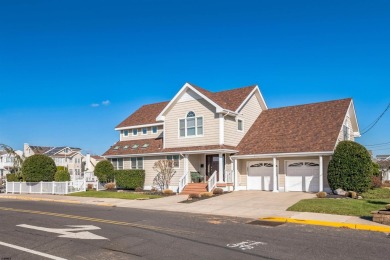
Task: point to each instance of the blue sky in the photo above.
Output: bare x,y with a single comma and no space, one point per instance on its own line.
59,58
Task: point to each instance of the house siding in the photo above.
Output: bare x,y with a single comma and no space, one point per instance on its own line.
179,111
341,134
140,136
248,113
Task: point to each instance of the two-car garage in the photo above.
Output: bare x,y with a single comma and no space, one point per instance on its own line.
298,175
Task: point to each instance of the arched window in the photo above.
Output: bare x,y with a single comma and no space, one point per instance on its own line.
191,125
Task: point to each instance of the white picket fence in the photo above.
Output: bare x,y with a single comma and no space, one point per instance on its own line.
54,187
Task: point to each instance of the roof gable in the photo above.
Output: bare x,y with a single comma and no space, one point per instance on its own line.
304,128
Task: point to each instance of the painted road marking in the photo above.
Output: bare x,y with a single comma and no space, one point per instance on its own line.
77,232
31,251
120,223
246,245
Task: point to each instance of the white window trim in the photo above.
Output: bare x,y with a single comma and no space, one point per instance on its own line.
166,157
242,120
132,131
185,126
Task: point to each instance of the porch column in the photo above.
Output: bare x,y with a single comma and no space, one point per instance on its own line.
235,172
321,174
220,167
186,167
275,177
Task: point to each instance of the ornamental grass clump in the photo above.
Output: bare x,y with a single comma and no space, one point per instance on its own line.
321,195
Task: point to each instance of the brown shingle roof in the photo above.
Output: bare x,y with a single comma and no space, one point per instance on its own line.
228,99
155,146
304,128
146,114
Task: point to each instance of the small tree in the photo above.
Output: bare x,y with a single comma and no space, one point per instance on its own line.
38,167
350,168
104,171
165,172
62,175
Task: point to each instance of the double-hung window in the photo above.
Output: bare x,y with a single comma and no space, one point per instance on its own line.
144,131
126,133
154,129
117,163
137,162
135,131
191,125
175,159
240,125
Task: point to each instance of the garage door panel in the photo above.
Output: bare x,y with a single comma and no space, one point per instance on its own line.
302,176
260,176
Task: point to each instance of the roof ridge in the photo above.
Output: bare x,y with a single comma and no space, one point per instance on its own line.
251,86
308,104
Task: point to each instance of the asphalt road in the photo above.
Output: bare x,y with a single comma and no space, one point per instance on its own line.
133,234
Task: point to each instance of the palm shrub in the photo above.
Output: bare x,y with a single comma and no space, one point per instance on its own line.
104,171
350,167
38,167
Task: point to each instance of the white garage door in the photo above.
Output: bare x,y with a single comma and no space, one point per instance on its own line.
302,176
260,176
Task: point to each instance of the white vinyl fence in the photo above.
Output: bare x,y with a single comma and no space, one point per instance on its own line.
64,187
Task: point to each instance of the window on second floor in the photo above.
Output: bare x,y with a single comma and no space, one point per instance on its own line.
346,132
144,131
154,129
191,125
135,132
137,162
240,125
126,132
175,159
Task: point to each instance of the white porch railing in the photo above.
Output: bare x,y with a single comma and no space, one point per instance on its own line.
62,188
212,182
229,176
183,181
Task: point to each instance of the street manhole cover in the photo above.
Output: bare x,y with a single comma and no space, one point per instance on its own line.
266,223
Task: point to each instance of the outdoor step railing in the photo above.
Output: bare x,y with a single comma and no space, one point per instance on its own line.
183,181
212,182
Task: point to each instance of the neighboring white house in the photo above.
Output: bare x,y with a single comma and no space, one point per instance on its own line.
69,157
7,162
384,157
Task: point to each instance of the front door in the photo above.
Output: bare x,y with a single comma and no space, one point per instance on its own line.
212,165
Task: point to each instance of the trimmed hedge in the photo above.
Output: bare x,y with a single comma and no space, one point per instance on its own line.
104,171
129,179
350,168
38,167
12,177
62,175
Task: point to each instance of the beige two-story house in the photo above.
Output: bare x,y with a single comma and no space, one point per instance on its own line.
234,141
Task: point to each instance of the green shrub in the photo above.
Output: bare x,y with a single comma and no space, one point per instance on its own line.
218,191
38,167
104,171
350,167
321,195
12,177
61,168
62,175
376,170
129,179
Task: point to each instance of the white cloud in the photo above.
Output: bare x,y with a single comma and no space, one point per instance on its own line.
95,105
106,102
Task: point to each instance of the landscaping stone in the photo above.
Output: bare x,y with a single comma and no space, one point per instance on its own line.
359,197
381,216
340,192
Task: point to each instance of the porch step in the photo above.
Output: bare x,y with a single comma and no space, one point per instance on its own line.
194,188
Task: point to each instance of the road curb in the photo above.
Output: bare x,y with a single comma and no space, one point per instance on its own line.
329,224
53,200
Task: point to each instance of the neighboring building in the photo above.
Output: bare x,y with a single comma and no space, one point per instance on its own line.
383,157
7,162
234,135
69,157
91,161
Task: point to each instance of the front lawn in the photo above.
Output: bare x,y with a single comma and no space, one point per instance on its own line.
115,195
375,199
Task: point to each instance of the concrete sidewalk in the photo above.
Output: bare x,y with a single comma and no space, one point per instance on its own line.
268,206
